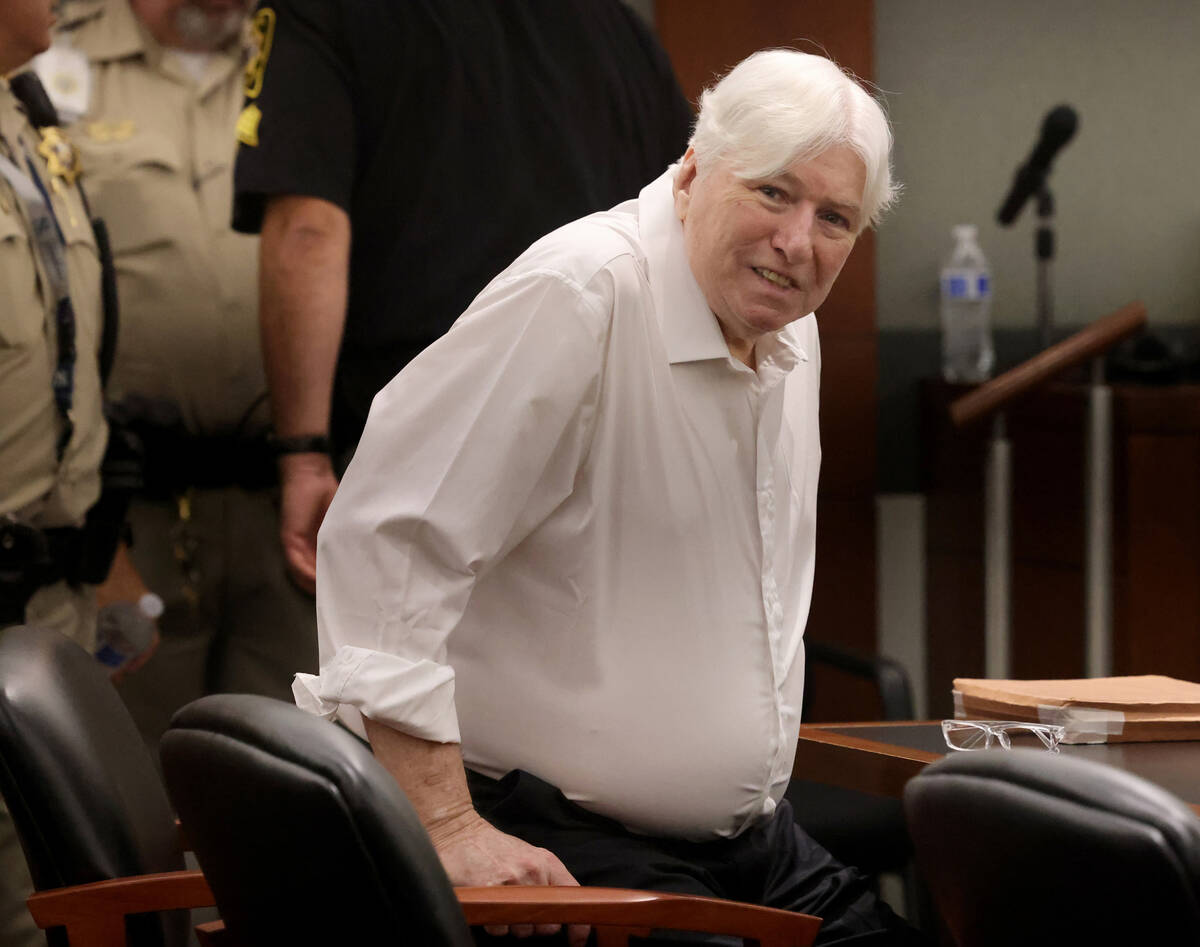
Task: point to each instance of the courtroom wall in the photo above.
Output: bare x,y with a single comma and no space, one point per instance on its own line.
970,82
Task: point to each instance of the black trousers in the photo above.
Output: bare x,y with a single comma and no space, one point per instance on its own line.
775,864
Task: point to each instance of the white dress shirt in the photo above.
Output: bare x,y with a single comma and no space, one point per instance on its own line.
578,535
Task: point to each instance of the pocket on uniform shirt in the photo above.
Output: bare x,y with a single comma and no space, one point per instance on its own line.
24,311
139,188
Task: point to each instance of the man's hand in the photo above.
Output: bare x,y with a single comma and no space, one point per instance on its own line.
476,854
473,852
307,486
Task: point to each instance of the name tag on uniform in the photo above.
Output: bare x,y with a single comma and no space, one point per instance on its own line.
68,81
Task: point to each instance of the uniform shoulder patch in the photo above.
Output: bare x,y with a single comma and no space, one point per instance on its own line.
262,32
67,79
247,125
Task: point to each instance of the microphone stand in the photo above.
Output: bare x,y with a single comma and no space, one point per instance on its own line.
997,526
1044,250
1098,489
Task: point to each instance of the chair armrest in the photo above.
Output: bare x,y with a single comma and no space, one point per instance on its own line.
94,914
616,913
635,912
213,934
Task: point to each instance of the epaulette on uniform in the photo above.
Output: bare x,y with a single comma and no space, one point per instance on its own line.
75,13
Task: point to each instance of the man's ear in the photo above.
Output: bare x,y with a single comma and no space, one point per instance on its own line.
685,177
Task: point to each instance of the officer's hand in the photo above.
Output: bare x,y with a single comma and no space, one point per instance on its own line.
124,585
308,485
475,853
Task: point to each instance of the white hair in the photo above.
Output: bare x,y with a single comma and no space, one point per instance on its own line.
780,106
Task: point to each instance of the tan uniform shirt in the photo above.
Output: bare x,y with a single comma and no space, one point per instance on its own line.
34,484
158,146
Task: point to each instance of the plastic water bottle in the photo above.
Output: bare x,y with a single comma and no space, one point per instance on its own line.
967,352
125,629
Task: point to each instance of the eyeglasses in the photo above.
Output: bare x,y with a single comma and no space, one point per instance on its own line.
981,734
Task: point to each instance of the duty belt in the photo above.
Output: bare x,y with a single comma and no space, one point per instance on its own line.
176,460
31,557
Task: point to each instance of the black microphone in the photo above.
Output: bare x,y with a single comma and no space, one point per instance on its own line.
1058,128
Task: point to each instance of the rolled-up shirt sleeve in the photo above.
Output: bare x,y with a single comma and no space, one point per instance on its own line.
465,452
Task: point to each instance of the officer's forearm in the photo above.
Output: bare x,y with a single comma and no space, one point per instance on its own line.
304,262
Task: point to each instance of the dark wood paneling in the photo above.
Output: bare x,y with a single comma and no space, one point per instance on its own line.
707,40
849,368
1162,526
843,608
850,308
1047,619
954,610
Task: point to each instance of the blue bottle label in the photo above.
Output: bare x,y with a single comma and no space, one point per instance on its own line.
958,287
965,285
110,656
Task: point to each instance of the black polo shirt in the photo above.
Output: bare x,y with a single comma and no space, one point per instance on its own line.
454,133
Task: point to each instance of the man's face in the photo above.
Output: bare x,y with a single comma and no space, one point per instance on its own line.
208,24
766,252
24,31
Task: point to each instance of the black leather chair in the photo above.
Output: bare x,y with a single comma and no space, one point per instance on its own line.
86,800
1037,849
306,838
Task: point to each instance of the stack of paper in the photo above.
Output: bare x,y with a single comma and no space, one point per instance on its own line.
1092,710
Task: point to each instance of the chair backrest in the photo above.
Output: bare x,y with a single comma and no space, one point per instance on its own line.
1033,848
79,783
301,833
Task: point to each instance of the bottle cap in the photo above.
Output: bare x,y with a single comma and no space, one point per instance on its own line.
151,605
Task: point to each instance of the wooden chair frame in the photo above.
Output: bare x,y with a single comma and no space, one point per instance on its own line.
94,914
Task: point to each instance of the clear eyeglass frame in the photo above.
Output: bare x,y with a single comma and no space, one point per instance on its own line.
967,735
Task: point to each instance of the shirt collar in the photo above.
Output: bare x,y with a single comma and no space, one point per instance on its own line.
690,330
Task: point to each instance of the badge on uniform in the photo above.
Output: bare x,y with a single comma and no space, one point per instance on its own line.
68,81
62,162
62,157
111,131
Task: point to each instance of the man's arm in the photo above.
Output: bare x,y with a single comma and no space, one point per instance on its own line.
303,272
472,851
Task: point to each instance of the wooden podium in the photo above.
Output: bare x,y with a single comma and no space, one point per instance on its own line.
1155,533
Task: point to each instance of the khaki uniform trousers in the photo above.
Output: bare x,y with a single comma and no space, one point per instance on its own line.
234,622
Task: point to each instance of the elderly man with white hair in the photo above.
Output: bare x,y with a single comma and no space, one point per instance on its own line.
564,583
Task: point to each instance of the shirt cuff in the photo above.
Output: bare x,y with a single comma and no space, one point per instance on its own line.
414,697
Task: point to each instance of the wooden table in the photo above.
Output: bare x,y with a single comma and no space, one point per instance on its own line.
880,758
